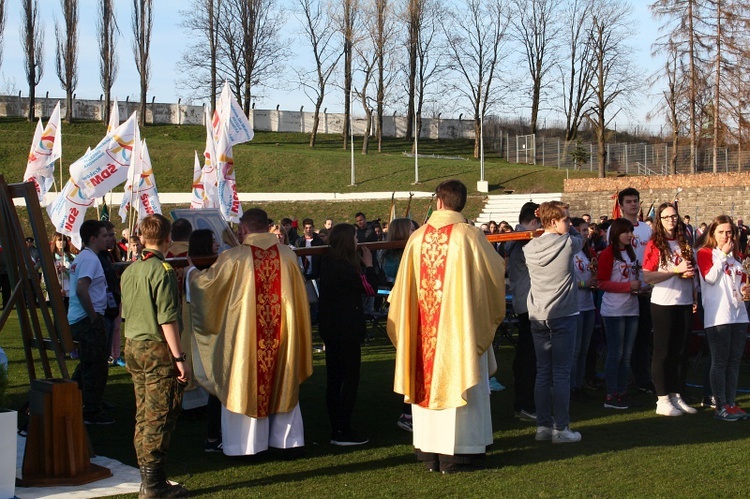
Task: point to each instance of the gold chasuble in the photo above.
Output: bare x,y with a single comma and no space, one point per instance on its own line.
446,303
251,321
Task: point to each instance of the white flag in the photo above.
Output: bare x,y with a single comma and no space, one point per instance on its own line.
128,193
114,117
229,203
146,193
198,196
230,115
68,211
106,166
46,148
210,176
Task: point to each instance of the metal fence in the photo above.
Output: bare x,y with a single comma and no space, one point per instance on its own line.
626,158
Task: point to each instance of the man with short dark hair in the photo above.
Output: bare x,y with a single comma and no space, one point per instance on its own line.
254,358
88,301
290,227
446,303
181,230
364,231
640,360
310,264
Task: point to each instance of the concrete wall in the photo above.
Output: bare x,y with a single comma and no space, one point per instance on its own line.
703,197
266,120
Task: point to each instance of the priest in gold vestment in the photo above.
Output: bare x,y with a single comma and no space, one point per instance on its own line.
446,303
252,339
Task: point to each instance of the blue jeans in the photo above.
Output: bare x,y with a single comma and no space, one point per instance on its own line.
554,343
584,330
620,333
727,343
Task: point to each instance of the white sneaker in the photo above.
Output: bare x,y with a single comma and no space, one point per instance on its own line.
665,408
543,433
565,436
681,404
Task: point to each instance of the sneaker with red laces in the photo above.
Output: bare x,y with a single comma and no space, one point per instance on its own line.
737,411
723,414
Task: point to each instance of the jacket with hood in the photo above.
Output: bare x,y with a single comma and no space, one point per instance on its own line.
550,261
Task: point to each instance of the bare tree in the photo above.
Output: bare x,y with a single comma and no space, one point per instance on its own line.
142,22
577,71
2,28
368,59
346,26
414,25
429,64
67,54
535,27
202,18
108,31
250,52
320,33
682,16
614,82
475,32
383,34
32,40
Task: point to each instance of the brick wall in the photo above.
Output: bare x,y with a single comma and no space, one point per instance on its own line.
703,196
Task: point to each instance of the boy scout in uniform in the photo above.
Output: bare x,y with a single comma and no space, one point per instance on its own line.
154,358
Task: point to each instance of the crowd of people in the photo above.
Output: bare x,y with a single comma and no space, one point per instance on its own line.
639,283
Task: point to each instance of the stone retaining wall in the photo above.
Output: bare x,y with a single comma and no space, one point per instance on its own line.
703,195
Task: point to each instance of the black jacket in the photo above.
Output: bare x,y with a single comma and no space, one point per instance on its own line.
341,316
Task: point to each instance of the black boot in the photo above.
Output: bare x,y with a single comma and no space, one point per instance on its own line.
154,484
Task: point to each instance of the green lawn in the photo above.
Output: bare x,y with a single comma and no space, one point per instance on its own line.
282,162
630,453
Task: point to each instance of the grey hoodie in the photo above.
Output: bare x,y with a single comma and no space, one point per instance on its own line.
518,273
550,261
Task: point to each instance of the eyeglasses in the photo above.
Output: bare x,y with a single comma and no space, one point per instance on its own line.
670,217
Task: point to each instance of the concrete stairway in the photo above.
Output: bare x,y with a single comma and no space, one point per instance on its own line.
506,207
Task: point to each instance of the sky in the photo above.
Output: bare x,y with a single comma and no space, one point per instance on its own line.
168,41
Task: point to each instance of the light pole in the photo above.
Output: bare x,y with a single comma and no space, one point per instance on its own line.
482,185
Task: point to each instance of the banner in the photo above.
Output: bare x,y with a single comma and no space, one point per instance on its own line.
198,197
68,211
229,202
114,117
229,114
210,177
141,186
106,166
46,148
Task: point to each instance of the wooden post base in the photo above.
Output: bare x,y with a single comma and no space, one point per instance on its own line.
57,451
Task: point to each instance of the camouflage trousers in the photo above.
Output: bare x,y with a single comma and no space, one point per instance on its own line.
158,398
92,370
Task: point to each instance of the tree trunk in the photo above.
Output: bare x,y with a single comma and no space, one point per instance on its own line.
316,120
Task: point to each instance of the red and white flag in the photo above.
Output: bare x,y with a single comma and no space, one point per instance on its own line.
210,176
141,187
106,166
46,148
68,211
229,202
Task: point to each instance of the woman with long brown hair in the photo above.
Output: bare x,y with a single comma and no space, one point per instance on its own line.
725,316
619,309
668,266
343,278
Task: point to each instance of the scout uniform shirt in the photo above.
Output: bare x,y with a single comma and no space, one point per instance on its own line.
149,297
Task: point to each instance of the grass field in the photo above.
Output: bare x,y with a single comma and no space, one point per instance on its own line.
630,453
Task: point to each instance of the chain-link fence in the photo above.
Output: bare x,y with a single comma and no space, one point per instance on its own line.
624,158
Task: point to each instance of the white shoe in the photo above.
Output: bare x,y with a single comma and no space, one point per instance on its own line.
565,436
665,408
681,404
543,433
